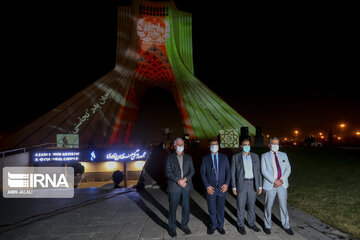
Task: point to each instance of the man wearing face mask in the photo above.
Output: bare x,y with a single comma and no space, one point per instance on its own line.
215,174
276,170
246,181
179,170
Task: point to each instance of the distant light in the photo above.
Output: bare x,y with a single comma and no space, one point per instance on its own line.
110,165
339,138
294,143
358,133
320,133
285,139
342,125
322,137
296,132
267,136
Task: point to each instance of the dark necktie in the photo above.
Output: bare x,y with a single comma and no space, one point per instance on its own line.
216,168
277,166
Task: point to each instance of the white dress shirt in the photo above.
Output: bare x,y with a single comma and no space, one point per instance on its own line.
248,167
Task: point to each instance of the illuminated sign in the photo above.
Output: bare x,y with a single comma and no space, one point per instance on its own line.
60,156
89,155
229,138
92,156
124,156
67,140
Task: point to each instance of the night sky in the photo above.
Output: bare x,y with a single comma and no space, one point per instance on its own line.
287,68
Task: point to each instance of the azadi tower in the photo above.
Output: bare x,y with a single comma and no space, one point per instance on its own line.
154,49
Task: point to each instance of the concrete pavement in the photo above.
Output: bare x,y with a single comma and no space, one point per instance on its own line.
129,214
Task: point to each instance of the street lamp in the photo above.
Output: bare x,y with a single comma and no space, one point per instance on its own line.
342,126
321,135
296,134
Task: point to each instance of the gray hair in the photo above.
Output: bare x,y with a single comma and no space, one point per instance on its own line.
176,140
273,138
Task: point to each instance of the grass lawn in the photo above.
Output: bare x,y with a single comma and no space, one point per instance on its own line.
325,183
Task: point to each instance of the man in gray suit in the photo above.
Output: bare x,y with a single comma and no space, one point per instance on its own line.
179,170
246,181
276,170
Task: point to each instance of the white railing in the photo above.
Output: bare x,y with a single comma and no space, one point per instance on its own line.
2,154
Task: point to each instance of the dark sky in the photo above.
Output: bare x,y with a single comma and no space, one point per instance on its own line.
294,67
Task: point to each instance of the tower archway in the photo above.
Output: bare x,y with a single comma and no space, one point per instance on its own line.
154,49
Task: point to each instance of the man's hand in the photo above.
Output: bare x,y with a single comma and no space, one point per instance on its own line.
182,182
224,188
260,191
235,192
210,190
278,183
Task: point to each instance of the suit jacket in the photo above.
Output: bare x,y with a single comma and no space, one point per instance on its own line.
238,172
267,169
207,171
173,172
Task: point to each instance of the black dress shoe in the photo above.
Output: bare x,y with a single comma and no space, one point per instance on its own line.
210,231
255,228
187,231
241,230
267,230
289,231
221,231
172,233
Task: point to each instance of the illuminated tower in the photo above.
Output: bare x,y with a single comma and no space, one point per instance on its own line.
154,49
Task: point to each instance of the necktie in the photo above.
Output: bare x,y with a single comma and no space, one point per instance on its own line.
277,166
216,168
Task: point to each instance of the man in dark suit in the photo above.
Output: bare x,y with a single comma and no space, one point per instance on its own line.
246,181
215,174
179,171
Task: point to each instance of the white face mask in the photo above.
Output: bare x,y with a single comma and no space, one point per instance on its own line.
214,148
274,147
180,149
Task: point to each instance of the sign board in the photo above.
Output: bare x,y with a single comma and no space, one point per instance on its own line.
229,138
67,140
88,155
55,155
129,154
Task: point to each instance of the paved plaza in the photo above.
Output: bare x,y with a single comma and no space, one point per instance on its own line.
105,213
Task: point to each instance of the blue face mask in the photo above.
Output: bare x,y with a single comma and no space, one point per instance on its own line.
246,149
180,149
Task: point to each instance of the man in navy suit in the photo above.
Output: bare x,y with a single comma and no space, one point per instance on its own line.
215,173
